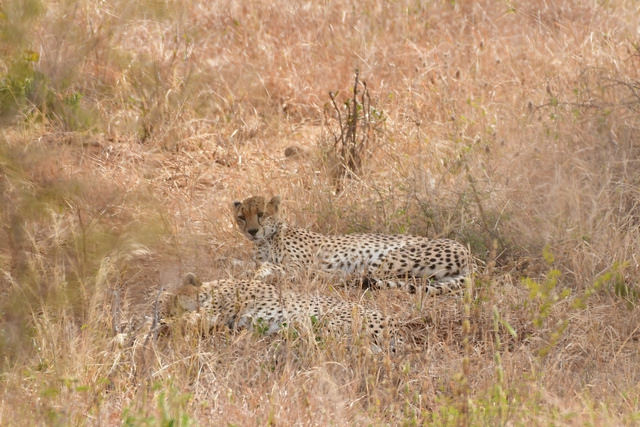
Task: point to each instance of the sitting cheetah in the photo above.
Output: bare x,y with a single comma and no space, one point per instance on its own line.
251,303
375,260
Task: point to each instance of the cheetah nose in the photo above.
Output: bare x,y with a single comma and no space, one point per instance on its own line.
252,231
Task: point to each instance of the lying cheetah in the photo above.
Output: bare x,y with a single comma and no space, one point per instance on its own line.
375,260
251,303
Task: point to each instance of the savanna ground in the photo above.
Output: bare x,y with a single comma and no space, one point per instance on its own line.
128,128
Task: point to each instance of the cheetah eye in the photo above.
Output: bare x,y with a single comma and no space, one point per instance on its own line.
260,214
241,217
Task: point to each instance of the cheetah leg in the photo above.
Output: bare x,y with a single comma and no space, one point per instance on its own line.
441,286
446,285
269,272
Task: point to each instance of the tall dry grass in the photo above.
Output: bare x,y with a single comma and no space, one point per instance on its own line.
130,127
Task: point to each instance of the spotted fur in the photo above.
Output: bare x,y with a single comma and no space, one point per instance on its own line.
374,260
251,303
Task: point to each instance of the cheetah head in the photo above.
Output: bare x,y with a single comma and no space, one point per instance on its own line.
256,217
183,299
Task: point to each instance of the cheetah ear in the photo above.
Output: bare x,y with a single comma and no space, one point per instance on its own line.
273,205
191,280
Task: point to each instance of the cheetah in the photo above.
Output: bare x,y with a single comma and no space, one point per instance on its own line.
373,260
241,304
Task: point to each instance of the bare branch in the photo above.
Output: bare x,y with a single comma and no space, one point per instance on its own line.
354,130
115,312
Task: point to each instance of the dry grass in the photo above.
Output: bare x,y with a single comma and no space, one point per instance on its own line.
130,127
